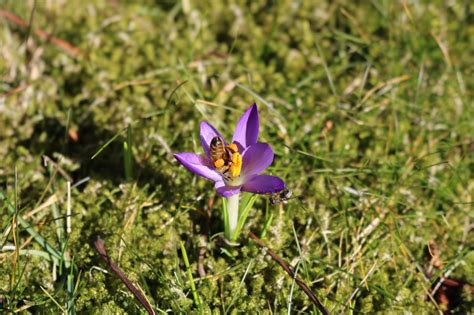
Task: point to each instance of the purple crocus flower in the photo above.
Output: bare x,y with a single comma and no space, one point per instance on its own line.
255,158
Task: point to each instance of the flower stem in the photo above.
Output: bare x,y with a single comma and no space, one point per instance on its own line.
233,215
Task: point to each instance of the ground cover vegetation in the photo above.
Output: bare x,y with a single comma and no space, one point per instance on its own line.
366,104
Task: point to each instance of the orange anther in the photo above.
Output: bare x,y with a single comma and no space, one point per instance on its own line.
233,147
219,163
236,165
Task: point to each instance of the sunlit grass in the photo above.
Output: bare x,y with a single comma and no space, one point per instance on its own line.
367,106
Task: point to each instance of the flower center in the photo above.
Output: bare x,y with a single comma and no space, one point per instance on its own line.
230,165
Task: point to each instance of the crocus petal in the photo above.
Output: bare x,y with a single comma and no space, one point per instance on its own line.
226,191
264,184
207,133
198,165
256,158
246,131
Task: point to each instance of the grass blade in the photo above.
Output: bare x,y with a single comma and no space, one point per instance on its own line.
190,275
128,155
55,255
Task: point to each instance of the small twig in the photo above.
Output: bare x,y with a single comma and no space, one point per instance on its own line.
366,232
372,226
47,160
99,246
298,281
444,278
455,283
14,90
68,48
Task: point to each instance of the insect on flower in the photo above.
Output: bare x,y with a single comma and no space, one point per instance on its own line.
236,166
226,159
281,197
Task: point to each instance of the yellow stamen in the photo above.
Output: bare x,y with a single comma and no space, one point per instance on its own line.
219,163
233,147
236,165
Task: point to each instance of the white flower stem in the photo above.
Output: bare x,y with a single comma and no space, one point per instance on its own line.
233,214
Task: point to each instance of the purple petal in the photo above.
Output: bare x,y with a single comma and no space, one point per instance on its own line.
226,191
264,184
198,165
246,131
207,133
256,158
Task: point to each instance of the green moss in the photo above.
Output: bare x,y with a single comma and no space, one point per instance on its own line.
399,144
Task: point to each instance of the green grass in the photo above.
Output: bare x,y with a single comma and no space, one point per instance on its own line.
368,107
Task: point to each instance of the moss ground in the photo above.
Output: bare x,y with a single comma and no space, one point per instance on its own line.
367,105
